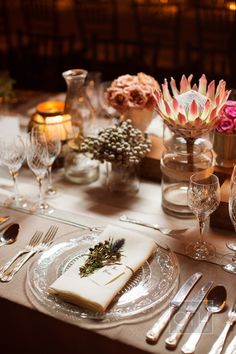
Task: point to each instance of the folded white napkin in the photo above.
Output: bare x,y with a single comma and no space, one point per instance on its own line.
93,292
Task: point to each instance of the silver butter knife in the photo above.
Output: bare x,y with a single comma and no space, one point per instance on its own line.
154,333
192,307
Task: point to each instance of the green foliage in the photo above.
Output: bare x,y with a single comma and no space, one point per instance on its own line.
102,254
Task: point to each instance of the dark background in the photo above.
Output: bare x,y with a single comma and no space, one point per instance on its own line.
41,38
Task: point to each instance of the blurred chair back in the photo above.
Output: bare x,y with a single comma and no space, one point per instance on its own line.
215,29
158,27
44,51
40,16
95,19
102,47
5,40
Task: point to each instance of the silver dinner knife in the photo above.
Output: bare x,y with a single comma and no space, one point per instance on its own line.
154,333
231,349
192,307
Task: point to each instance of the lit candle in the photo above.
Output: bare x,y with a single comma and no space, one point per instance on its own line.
50,117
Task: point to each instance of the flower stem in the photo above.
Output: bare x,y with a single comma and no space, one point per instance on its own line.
190,144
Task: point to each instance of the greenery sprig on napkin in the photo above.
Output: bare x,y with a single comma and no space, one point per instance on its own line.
102,254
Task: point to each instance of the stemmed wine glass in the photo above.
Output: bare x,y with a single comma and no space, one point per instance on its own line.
54,148
203,199
12,150
228,261
106,110
37,159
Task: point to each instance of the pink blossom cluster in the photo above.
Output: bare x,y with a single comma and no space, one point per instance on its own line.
132,91
227,118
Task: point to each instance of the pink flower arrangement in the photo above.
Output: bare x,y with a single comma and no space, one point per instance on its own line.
227,118
132,91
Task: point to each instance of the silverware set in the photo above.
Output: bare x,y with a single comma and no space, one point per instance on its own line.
37,243
214,300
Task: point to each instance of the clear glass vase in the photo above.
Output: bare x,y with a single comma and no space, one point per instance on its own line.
121,178
79,168
182,157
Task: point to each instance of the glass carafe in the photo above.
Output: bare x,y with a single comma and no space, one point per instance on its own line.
77,103
79,168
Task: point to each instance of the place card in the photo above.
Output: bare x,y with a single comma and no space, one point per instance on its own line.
108,274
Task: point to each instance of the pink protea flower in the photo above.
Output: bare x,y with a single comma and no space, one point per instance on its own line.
191,111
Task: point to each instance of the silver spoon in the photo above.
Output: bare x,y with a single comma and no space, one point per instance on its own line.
214,302
9,235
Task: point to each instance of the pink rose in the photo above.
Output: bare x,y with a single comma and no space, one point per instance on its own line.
225,125
230,111
227,117
137,97
117,99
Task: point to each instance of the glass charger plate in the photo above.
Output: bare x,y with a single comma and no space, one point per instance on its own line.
147,292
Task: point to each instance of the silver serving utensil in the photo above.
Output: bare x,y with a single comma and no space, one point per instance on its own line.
219,343
9,235
154,333
163,230
215,301
192,307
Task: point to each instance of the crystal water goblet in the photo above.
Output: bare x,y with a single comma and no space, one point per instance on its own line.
12,152
37,159
228,261
203,199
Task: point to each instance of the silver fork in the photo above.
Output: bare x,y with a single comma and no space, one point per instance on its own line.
46,242
32,243
219,343
163,230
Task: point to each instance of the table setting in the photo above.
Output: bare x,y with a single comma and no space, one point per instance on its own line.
120,262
